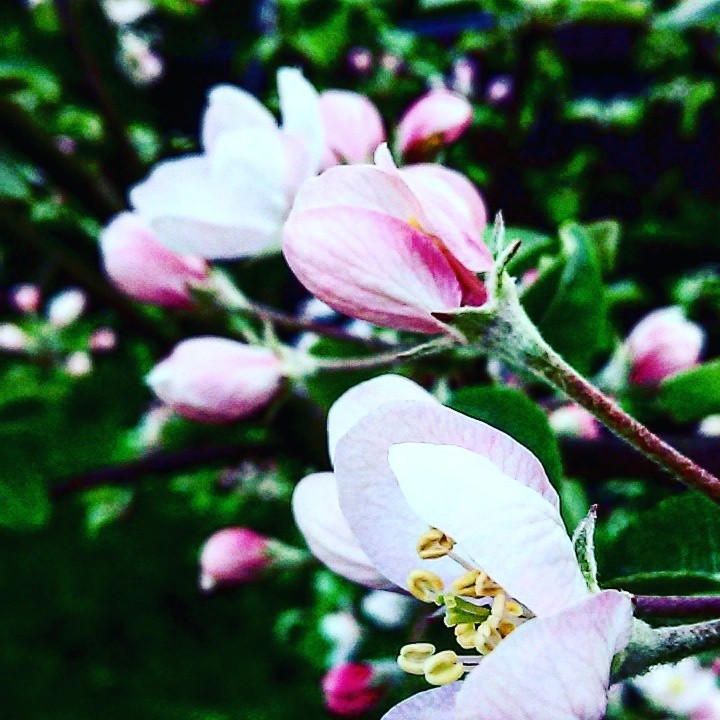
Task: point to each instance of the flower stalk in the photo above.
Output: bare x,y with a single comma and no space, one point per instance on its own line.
501,327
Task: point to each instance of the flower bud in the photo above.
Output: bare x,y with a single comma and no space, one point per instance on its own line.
661,345
438,118
710,427
233,556
344,632
574,421
78,364
26,298
349,689
102,340
143,268
66,307
215,380
12,338
388,610
360,60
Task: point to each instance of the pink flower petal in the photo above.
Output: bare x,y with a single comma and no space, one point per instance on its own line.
372,267
361,400
439,116
552,668
435,704
353,127
371,498
456,210
230,108
500,525
317,513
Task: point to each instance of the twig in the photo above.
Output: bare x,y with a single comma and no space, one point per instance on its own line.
677,605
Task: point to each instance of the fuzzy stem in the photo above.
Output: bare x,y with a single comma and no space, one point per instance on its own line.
650,646
677,606
502,327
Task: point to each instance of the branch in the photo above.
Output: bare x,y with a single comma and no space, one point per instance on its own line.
677,606
157,463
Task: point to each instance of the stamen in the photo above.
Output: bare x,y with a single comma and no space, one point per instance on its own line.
465,635
443,668
466,584
434,544
412,657
424,585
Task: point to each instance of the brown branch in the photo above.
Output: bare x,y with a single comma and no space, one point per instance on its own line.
677,605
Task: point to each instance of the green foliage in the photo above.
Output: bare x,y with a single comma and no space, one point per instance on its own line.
693,394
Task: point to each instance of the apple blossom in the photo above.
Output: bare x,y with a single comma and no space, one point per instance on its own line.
233,556
216,380
13,338
26,298
574,421
344,633
685,688
350,689
143,268
663,344
352,127
437,119
78,364
102,340
66,307
387,610
461,515
390,246
231,200
141,63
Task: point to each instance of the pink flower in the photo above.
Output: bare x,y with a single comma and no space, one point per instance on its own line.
574,421
26,298
143,268
463,516
389,246
102,340
663,344
231,200
215,380
352,125
233,556
350,689
437,119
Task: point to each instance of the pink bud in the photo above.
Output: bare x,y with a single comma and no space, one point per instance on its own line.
78,364
663,344
103,340
464,73
215,380
438,118
349,689
574,421
353,127
499,90
66,307
142,267
233,556
360,59
391,63
26,298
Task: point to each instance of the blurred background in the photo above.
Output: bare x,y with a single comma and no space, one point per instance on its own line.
597,111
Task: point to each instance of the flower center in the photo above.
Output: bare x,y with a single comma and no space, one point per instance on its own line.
480,622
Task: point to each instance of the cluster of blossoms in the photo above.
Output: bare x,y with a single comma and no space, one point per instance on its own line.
422,500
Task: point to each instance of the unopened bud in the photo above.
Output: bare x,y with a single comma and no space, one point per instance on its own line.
102,340
78,364
66,307
437,119
360,60
26,298
12,338
663,344
233,556
351,689
215,380
387,610
574,421
143,268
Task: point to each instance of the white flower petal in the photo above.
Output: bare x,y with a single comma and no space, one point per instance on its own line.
435,704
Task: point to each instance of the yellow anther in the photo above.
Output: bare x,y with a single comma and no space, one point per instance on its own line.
514,608
412,657
465,635
443,668
485,587
434,544
466,583
506,627
424,585
497,611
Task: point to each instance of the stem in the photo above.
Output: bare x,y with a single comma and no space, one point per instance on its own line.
502,327
384,359
677,605
650,646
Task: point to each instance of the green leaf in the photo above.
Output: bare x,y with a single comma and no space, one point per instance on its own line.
693,394
583,540
24,503
666,583
574,322
678,540
605,236
689,13
513,412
